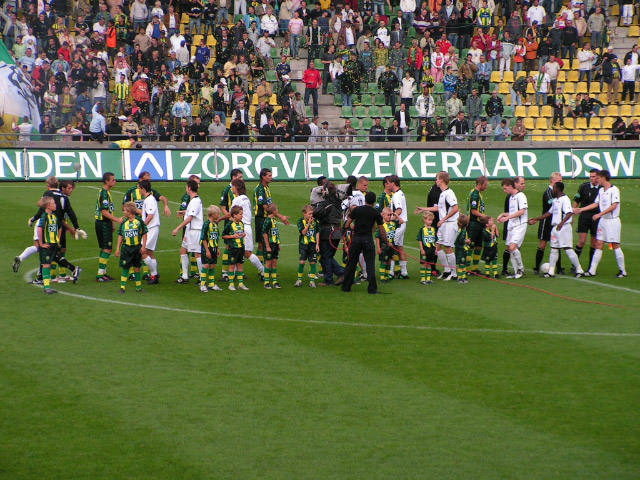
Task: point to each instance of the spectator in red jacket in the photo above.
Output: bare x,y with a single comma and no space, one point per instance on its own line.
312,81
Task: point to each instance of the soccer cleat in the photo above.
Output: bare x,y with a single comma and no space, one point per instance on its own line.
578,274
423,282
312,284
103,279
215,288
518,274
76,274
37,281
465,280
267,287
560,271
60,279
444,275
276,285
242,286
49,291
588,274
16,264
536,271
108,277
132,277
548,275
204,289
232,287
261,276
298,283
182,281
224,278
573,270
621,274
339,281
121,291
449,278
460,280
505,273
146,276
363,276
403,276
140,290
153,280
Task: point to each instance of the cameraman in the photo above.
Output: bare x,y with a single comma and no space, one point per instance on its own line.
329,214
317,193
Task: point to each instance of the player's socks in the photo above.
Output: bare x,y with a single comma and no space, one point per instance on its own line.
211,276
274,275
619,259
397,265
62,272
403,267
467,261
267,276
494,266
423,273
154,267
260,254
553,259
193,264
487,269
255,261
123,278
225,261
514,261
199,263
102,263
312,271
149,264
578,250
138,278
505,260
46,277
451,261
574,260
442,260
592,250
145,269
54,271
460,269
300,270
475,260
184,260
539,257
597,256
382,270
240,278
203,276
28,252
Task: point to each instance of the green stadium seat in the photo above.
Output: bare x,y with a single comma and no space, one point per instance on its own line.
337,100
374,111
366,123
359,112
330,87
386,112
508,112
346,112
441,111
355,122
318,64
308,112
367,100
372,87
413,112
438,88
379,100
271,76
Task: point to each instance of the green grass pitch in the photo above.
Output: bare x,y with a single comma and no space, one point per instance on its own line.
445,381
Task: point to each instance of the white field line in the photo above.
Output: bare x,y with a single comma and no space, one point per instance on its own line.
600,284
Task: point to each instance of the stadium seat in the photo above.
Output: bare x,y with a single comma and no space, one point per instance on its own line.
346,112
581,87
379,99
372,87
573,76
530,89
591,135
366,123
575,64
521,111
607,122
386,112
563,135
442,112
355,122
374,111
581,122
577,135
413,112
211,41
503,88
546,111
634,31
308,111
541,123
528,123
537,135
330,87
273,99
562,76
495,76
551,136
184,18
569,88
271,76
366,100
438,88
533,111
521,74
508,112
625,110
358,111
508,77
615,10
594,88
337,100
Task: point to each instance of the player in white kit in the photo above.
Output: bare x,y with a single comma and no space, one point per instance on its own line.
151,218
609,226
193,220
239,189
517,226
399,208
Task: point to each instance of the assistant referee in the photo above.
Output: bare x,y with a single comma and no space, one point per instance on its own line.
364,219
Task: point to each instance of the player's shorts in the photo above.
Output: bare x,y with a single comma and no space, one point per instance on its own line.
489,253
461,256
191,241
214,255
429,257
516,234
48,255
35,231
273,254
562,238
609,230
236,255
398,239
586,224
104,234
308,252
152,238
130,257
259,221
248,238
447,234
544,230
475,234
386,254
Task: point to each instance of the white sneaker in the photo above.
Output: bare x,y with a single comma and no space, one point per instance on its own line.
242,286
215,288
232,287
60,280
312,284
518,274
299,283
204,289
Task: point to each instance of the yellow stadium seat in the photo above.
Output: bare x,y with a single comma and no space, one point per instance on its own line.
254,100
182,27
581,122
508,77
573,76
530,88
634,31
590,135
603,135
625,110
211,41
577,135
569,87
184,18
520,111
603,98
581,87
569,123
533,111
546,111
564,135
252,111
594,88
521,74
528,123
503,88
595,122
562,76
575,64
541,123
195,110
495,77
607,122
615,10
273,100
537,135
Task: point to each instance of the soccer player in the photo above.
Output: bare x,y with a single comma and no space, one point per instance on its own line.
308,245
608,201
132,237
490,235
184,202
234,235
427,240
105,225
400,214
191,240
239,191
48,243
225,205
586,195
135,195
151,218
209,250
262,197
448,213
560,216
271,240
384,199
544,229
506,255
385,252
462,246
357,200
475,211
517,227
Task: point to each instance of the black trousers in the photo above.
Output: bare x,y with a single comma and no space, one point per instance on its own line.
364,245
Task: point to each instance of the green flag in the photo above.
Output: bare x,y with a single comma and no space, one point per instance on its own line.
4,55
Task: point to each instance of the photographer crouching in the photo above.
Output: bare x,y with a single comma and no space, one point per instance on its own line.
329,215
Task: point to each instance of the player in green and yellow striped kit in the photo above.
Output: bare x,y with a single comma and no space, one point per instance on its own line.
271,240
309,245
104,225
225,205
461,248
184,202
475,211
209,250
386,252
384,200
490,252
427,241
234,234
132,238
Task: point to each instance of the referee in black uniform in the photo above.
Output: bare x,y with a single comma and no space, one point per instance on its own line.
364,219
544,228
587,193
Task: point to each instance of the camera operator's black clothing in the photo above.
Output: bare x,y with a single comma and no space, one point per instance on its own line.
364,219
328,213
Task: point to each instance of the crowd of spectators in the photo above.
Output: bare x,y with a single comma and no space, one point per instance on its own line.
197,70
